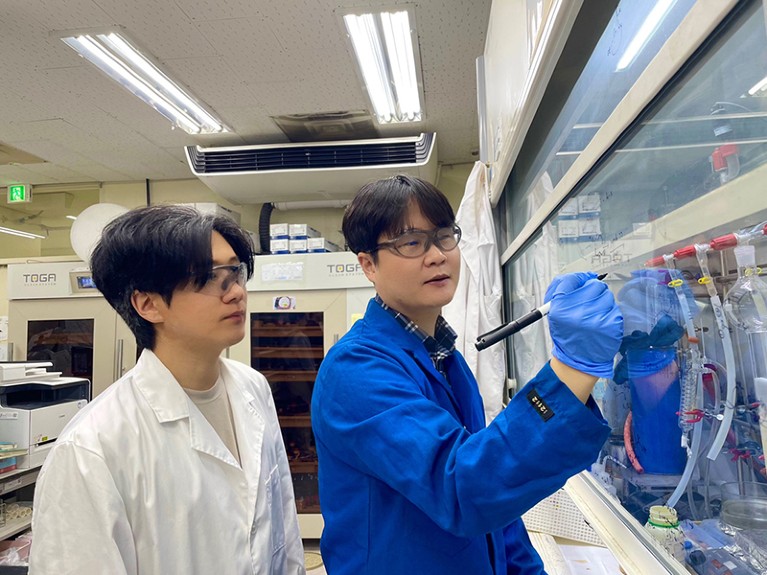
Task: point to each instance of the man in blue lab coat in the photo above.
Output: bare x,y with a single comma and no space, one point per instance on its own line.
411,480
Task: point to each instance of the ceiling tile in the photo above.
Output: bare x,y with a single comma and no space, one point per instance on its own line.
246,59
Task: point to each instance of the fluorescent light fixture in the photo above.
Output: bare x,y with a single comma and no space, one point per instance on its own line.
71,217
28,235
383,45
120,60
646,30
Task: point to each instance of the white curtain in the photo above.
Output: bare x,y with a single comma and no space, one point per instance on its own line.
476,307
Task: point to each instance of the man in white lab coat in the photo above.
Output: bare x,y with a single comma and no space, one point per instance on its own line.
178,467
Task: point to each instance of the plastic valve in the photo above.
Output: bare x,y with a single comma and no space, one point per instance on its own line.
655,262
684,253
724,242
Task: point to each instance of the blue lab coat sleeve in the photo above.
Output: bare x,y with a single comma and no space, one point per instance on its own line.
520,554
406,463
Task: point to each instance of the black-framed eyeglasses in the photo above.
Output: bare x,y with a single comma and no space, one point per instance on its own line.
415,243
222,278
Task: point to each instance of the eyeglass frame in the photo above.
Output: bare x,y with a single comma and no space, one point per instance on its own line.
238,274
431,240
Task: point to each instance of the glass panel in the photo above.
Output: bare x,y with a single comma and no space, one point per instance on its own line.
604,81
687,403
68,343
287,348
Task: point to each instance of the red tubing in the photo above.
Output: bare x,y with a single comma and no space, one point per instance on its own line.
630,447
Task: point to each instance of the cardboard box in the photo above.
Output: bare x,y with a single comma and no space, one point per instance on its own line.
279,246
320,245
279,231
297,246
302,232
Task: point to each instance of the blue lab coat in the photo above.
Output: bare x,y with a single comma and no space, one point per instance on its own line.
411,480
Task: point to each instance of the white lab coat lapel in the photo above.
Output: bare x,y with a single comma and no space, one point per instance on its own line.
170,402
249,427
202,437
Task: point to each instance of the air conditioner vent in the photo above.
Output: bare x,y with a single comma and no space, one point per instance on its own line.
319,170
297,156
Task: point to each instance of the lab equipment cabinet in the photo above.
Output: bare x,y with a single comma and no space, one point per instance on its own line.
299,305
656,177
57,315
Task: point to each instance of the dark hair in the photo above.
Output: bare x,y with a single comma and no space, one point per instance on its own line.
381,207
158,249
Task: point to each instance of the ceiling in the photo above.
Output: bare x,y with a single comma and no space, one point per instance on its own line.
248,60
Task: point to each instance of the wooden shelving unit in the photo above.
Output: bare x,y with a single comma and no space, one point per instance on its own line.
303,467
287,348
295,421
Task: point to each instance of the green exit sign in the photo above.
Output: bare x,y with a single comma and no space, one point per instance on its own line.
19,193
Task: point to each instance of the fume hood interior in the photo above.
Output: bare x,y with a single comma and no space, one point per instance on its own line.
675,213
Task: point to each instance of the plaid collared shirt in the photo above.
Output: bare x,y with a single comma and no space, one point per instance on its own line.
439,347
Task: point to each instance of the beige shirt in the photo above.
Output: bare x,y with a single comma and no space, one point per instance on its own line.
214,404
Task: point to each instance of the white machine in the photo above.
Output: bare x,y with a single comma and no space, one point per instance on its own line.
35,406
55,313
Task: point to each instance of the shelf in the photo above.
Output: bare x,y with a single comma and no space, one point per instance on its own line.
62,339
285,331
295,420
309,509
282,375
303,466
287,352
11,528
17,479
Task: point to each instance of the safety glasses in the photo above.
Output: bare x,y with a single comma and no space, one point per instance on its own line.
415,243
222,278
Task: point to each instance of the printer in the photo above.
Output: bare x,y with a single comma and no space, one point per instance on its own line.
35,406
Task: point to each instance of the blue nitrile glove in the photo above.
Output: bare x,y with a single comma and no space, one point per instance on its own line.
585,323
650,352
647,297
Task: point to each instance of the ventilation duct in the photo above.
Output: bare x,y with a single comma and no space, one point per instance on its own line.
310,171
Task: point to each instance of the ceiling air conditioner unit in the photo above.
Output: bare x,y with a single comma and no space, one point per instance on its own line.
310,171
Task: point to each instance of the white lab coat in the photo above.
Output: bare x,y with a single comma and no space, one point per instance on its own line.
139,482
476,307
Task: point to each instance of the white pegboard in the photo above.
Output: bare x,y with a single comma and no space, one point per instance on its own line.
557,515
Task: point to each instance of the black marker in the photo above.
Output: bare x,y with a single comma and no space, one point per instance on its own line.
504,331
